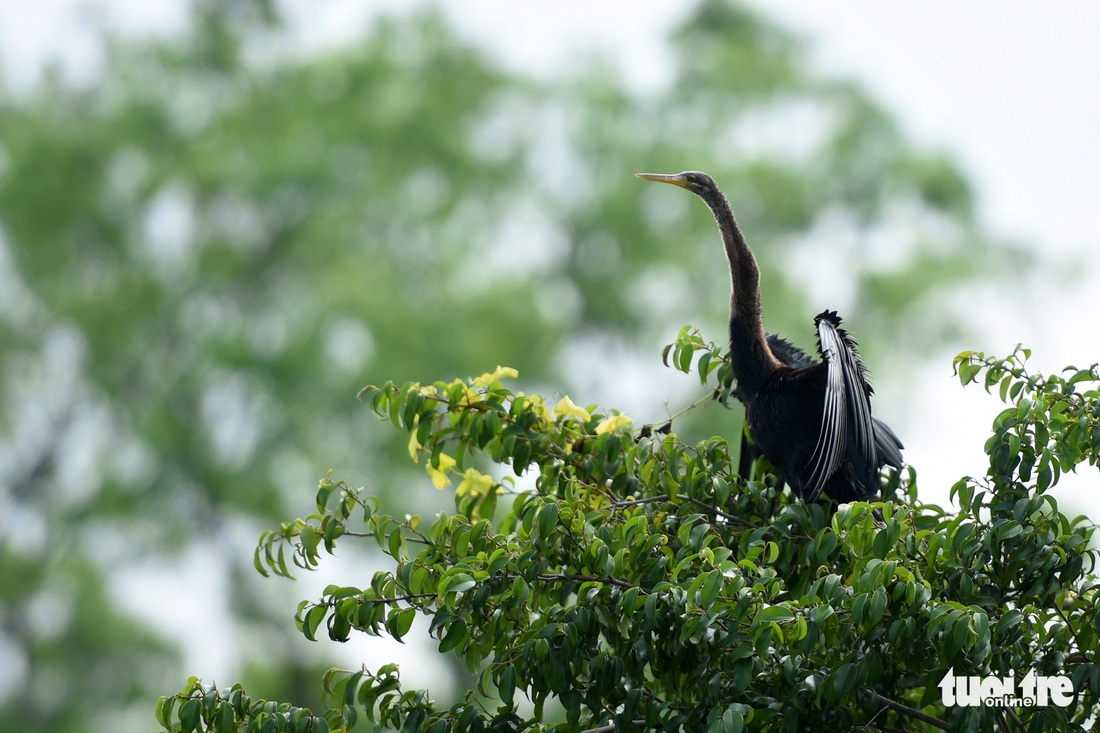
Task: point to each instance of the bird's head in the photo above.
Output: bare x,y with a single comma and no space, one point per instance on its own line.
695,181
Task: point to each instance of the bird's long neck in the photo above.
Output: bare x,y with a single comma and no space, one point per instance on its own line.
752,359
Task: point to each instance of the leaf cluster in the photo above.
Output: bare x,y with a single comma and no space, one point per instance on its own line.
637,583
203,708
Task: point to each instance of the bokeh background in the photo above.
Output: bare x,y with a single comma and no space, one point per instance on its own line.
220,218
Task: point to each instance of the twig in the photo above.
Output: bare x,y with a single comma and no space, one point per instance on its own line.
594,579
914,713
718,512
1073,632
1015,717
610,728
414,540
636,502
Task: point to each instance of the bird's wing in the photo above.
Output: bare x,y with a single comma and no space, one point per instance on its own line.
847,410
857,391
887,445
829,449
749,454
787,353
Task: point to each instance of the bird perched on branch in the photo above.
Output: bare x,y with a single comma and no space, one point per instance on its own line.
811,419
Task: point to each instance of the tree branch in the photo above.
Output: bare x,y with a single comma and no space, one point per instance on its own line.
718,512
1073,632
1019,723
913,712
610,728
636,502
594,579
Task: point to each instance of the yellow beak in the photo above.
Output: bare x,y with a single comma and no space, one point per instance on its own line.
676,179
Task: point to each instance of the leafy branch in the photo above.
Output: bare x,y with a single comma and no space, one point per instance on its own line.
641,580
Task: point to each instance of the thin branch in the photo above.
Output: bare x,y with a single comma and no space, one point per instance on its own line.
1009,720
414,540
914,713
636,502
610,728
387,600
724,515
731,518
592,578
698,502
1073,632
874,717
708,397
1015,717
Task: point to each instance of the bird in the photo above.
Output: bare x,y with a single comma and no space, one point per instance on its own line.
811,419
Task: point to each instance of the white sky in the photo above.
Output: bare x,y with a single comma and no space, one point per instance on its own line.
1011,88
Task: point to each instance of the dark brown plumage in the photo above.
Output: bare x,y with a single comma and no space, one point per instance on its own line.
811,420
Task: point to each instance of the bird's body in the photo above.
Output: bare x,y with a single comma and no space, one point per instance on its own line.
811,419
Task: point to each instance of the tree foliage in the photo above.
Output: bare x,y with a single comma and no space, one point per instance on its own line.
599,575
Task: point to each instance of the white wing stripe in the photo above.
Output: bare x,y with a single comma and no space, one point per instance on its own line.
829,449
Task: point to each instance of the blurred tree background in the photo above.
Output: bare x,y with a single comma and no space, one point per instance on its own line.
205,254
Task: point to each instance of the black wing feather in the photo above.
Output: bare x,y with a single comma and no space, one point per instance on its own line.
887,445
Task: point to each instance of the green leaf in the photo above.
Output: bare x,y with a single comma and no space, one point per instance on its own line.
547,519
1008,622
731,721
257,561
968,372
684,352
224,720
163,711
403,621
314,616
704,366
506,685
394,544
711,588
777,614
877,607
824,544
190,715
456,583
